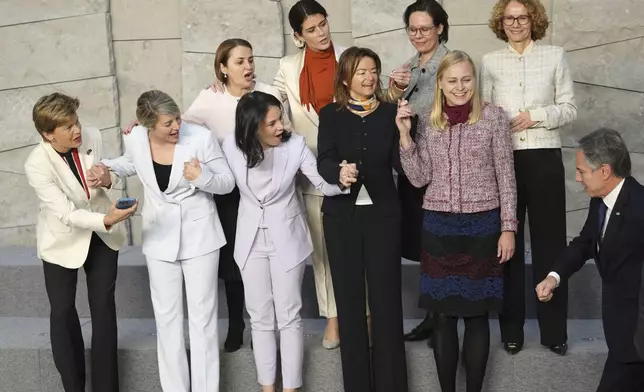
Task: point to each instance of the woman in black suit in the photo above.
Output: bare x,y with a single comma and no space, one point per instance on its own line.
362,230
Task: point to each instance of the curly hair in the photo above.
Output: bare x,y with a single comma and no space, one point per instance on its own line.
536,11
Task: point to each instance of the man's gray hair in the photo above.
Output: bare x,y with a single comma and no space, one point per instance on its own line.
605,146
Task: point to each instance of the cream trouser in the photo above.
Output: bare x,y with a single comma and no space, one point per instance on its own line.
166,288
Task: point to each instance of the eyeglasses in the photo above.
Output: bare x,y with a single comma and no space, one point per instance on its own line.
522,19
424,31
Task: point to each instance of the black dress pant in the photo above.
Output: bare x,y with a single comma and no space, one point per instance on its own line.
365,245
66,339
227,208
621,377
541,191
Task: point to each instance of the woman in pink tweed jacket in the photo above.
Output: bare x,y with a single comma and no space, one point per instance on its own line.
463,153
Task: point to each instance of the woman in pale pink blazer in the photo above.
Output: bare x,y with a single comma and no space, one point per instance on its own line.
235,71
273,239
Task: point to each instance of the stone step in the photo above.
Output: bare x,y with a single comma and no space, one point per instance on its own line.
22,288
26,363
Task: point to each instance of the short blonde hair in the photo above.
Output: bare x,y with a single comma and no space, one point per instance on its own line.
536,12
153,103
437,117
52,111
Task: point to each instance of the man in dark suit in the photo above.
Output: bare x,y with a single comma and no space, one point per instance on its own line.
613,236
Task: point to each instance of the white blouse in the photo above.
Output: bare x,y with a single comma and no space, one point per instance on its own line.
537,81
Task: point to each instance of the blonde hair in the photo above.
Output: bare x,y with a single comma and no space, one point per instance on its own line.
153,103
437,117
52,111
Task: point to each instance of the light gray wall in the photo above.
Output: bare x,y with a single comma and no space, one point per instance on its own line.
108,52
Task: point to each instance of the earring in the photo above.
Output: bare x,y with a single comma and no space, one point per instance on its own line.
225,75
298,42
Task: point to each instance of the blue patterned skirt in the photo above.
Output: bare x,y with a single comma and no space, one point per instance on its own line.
460,272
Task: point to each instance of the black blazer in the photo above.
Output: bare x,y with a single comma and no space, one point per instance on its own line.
619,261
372,143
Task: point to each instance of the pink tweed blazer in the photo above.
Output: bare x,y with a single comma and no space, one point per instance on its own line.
468,168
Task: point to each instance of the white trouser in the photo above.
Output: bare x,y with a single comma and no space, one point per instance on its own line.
274,294
166,288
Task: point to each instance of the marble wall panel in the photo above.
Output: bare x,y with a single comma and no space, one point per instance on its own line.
98,108
145,19
25,11
602,106
377,16
610,65
19,203
584,23
143,66
206,23
55,51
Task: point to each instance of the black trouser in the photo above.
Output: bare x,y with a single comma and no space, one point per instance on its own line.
476,348
67,344
368,245
621,377
227,207
541,190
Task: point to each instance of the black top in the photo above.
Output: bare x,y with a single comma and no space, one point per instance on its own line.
69,158
162,173
372,143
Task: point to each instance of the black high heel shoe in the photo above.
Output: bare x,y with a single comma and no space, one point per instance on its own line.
422,331
512,348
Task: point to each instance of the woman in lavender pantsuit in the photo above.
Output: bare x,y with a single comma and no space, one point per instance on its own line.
273,238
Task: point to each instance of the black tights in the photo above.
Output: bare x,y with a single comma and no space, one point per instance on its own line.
476,347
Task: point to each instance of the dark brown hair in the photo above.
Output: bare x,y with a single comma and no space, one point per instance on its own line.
223,54
302,10
52,111
347,66
536,12
433,9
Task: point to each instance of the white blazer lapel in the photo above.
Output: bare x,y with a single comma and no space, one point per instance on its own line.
87,161
280,160
294,85
62,169
145,166
181,155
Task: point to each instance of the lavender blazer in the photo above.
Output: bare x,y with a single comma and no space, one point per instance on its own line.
282,210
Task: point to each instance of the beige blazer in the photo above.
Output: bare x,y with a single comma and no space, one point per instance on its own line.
66,217
304,121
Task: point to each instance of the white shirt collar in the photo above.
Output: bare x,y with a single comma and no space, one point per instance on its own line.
611,198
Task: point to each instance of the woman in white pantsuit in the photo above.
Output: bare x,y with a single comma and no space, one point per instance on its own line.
180,166
273,238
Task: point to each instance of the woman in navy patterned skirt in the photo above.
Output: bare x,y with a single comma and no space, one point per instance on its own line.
463,152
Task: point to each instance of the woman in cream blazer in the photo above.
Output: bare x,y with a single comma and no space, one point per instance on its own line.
77,227
312,35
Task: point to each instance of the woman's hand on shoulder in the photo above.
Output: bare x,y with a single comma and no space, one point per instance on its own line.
128,129
217,86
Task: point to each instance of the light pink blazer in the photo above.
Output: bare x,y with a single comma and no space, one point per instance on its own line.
282,210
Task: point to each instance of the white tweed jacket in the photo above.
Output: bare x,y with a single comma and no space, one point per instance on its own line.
537,81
